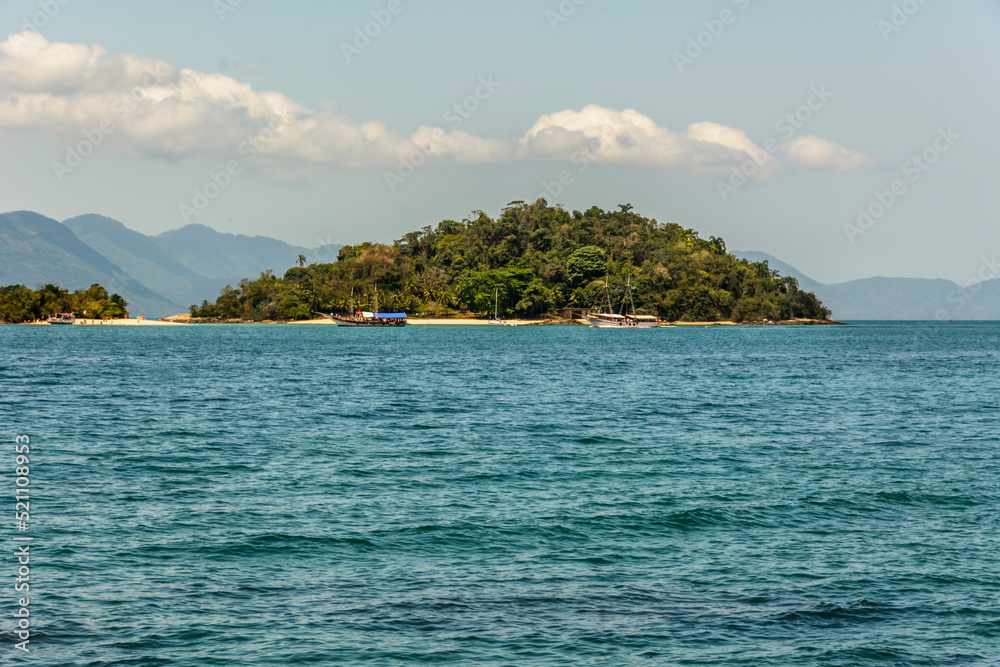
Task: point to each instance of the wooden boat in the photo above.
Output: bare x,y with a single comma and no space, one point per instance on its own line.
362,318
62,318
626,318
368,319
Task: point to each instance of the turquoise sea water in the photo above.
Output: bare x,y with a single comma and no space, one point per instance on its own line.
281,495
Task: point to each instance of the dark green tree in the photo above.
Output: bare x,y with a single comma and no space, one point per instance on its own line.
585,264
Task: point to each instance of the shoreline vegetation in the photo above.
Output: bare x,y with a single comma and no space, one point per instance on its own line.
186,320
530,263
470,321
20,305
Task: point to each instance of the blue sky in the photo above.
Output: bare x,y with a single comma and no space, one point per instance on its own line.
609,97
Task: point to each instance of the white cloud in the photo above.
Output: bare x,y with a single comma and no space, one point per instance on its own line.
817,153
31,63
629,137
156,108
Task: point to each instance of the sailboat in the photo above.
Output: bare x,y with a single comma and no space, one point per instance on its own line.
496,321
363,318
606,318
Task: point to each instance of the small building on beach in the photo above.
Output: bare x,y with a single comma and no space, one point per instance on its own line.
575,313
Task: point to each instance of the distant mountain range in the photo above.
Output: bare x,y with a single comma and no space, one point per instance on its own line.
895,298
163,275
158,275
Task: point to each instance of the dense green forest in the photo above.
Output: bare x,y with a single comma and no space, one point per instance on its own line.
540,259
20,304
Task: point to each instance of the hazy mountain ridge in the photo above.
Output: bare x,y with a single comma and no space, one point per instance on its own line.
882,298
805,282
162,275
187,265
107,235
158,275
36,250
144,258
229,256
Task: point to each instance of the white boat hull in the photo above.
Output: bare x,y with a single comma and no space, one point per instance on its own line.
365,321
620,323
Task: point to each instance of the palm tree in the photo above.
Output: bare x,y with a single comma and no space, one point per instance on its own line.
301,261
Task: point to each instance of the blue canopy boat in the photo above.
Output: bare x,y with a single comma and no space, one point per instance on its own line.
367,319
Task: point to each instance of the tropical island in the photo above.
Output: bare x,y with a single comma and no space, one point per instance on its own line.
18,304
532,261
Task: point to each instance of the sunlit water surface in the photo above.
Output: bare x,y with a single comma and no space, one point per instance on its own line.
283,495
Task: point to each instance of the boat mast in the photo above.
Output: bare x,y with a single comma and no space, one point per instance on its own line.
621,310
375,310
352,300
496,299
628,306
607,308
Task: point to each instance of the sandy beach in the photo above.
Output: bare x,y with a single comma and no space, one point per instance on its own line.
126,322
471,322
181,320
439,322
427,321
